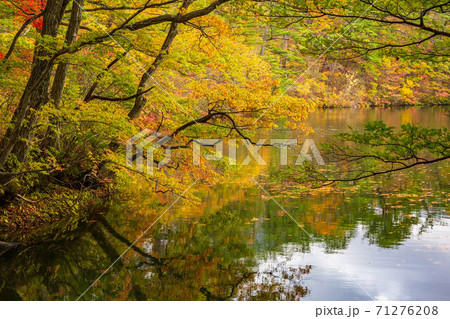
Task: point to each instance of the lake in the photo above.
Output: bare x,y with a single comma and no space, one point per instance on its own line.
383,239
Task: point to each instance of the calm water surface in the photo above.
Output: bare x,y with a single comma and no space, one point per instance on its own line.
388,239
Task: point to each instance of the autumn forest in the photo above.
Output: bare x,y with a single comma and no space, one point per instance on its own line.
224,149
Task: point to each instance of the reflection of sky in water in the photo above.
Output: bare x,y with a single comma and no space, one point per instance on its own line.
417,270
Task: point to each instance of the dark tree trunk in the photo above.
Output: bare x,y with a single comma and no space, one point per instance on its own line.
16,140
71,37
141,100
56,93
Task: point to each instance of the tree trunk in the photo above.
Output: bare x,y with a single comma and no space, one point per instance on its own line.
16,140
263,45
141,100
52,136
284,55
71,37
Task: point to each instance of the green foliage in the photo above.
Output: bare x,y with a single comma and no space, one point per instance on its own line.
379,140
377,150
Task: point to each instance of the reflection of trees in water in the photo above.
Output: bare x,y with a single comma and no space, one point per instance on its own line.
41,272
334,219
277,283
189,267
60,270
208,260
214,257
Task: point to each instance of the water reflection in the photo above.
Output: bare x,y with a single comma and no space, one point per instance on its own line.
390,236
